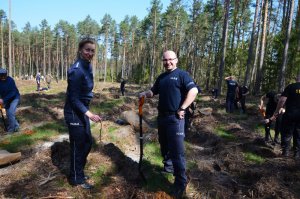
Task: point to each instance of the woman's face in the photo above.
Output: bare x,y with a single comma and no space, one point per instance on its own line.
88,51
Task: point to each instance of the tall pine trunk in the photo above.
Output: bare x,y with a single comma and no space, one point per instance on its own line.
259,73
224,42
286,48
250,50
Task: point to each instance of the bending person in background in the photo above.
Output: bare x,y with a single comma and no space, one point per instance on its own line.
77,114
176,91
270,108
48,80
243,91
10,99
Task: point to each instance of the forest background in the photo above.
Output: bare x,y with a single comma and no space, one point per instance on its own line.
257,41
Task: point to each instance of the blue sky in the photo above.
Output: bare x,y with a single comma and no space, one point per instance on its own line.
73,11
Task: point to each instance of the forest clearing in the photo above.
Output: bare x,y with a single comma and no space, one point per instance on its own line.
250,47
226,154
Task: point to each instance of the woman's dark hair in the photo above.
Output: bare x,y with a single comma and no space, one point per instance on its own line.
86,40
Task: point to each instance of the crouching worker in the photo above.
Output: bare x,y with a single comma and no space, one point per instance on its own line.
10,98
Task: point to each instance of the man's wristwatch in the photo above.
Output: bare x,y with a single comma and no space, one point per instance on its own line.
181,109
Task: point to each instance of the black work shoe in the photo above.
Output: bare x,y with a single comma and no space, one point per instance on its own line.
277,141
86,185
164,171
285,153
178,193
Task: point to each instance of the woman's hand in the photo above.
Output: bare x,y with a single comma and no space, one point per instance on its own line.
93,117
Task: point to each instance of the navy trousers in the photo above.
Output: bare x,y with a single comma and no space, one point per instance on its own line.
80,143
171,139
230,102
291,128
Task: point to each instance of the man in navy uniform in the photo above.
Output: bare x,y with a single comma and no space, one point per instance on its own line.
291,118
176,91
10,99
231,93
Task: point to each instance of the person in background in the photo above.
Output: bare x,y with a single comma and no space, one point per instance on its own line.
271,104
122,86
190,111
243,91
10,98
176,91
232,86
76,111
38,81
291,118
48,80
214,93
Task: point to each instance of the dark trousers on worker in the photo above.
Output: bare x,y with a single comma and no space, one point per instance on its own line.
80,144
291,128
243,104
171,139
230,102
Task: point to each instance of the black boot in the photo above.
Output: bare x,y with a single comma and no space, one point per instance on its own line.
285,153
297,155
276,140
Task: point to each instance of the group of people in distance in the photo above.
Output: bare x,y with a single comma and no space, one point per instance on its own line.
235,94
176,91
283,109
38,79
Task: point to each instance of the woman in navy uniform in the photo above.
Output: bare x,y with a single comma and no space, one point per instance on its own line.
76,111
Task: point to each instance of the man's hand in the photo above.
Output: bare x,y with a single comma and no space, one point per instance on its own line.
1,101
181,113
142,94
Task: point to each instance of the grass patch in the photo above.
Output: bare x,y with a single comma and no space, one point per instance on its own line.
106,106
191,165
225,134
152,153
16,142
152,164
111,129
100,177
260,128
251,157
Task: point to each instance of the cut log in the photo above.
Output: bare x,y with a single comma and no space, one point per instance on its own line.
8,158
133,119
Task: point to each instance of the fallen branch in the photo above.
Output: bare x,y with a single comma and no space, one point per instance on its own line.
46,180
